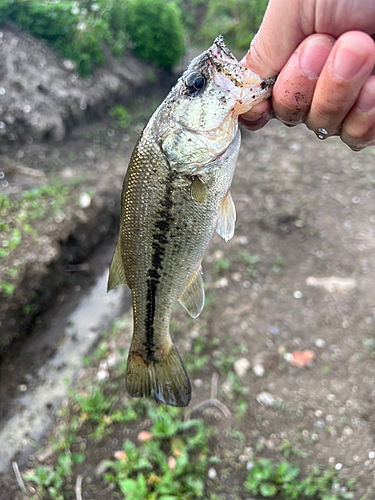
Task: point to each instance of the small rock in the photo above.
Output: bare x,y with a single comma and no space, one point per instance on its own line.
212,474
320,343
347,431
222,283
84,200
198,382
227,388
102,375
241,366
102,466
258,370
266,398
69,65
274,330
333,284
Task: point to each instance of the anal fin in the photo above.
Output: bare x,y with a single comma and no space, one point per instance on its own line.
166,376
192,298
116,272
226,218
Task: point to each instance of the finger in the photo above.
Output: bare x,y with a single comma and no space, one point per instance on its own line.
349,65
287,22
267,58
295,86
258,116
358,129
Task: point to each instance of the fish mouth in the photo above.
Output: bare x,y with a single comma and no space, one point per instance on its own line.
240,81
220,53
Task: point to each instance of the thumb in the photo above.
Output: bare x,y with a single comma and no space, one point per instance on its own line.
284,26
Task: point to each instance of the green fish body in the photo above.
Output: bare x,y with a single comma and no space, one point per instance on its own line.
175,194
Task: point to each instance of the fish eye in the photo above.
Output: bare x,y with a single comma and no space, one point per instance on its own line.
196,82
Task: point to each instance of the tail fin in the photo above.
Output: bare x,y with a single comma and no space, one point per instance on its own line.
166,376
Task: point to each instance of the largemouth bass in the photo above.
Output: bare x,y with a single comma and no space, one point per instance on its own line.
175,194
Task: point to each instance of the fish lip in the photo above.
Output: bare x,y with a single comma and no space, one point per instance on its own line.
219,52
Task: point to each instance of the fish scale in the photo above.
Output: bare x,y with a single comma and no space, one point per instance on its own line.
171,205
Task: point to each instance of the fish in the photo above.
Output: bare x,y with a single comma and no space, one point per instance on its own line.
176,193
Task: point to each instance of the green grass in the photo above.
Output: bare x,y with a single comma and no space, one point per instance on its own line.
268,480
78,30
122,116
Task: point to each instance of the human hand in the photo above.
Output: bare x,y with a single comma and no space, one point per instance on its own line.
325,57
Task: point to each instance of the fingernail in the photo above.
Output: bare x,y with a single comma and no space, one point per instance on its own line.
314,56
347,63
366,100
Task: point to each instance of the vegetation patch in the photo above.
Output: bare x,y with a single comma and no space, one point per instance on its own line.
78,29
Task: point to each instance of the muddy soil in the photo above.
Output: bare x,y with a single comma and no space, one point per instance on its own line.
291,301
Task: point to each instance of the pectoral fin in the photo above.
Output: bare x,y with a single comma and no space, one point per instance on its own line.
227,218
116,272
192,298
198,190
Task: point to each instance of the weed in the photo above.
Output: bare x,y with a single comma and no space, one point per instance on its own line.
287,449
122,115
277,265
221,264
369,344
51,481
270,480
174,460
95,405
7,289
193,362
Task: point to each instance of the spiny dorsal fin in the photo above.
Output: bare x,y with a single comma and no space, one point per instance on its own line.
226,218
116,272
192,298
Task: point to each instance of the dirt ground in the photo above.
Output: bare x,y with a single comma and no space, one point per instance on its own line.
291,301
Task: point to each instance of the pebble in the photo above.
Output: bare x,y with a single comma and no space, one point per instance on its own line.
266,398
347,431
198,382
241,366
102,466
84,200
227,388
320,343
102,375
69,65
274,330
212,474
258,370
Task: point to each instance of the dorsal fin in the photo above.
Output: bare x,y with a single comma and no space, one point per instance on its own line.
226,218
116,272
192,298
